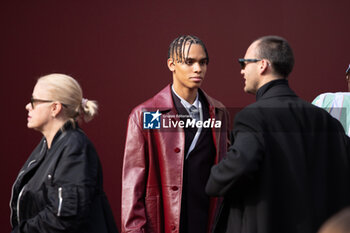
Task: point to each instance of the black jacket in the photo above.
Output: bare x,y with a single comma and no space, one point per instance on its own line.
60,189
287,169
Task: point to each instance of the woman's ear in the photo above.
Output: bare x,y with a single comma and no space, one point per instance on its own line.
56,108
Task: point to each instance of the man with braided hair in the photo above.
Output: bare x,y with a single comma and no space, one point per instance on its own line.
167,161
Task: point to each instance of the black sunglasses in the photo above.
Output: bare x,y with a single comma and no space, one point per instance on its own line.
243,62
347,70
32,101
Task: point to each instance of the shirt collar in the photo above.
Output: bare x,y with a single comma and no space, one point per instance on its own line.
186,104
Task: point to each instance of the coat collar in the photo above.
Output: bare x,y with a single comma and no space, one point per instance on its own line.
274,88
164,102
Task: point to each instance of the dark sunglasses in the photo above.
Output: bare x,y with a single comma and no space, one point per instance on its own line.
347,70
33,101
243,62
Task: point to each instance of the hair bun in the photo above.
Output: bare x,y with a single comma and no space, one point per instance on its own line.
89,109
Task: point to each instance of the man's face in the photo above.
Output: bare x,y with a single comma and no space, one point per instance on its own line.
189,73
250,72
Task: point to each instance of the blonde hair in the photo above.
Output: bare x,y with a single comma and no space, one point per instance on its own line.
67,91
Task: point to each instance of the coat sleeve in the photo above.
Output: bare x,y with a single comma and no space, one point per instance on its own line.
133,216
228,127
243,157
70,191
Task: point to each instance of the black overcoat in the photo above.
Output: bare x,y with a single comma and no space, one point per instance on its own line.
287,170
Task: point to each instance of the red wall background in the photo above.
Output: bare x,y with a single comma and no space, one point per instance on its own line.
117,50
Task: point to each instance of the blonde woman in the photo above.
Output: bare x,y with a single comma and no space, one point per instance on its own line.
59,188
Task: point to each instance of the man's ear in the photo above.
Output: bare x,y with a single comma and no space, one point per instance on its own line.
263,66
171,64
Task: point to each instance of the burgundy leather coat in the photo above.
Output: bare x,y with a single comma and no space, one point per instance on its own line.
153,167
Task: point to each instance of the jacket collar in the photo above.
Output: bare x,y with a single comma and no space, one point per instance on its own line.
274,88
62,131
163,100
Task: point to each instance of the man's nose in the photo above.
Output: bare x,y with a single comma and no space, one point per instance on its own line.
197,67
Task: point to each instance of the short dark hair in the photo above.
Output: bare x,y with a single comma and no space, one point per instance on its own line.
278,51
177,47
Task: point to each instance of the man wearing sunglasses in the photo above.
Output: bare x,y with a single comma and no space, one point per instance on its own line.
337,104
287,169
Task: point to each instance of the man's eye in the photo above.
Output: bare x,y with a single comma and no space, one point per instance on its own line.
204,62
189,62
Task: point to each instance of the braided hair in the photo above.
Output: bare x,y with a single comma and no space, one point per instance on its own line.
177,47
